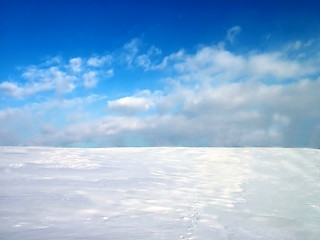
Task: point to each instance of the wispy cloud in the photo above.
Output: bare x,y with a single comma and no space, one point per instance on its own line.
99,61
129,52
232,33
61,76
40,80
58,77
90,79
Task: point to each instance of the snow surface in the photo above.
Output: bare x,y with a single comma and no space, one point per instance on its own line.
159,193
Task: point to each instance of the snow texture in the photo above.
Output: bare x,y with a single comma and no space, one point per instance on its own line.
159,193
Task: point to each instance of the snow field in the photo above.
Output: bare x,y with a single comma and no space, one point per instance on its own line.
159,193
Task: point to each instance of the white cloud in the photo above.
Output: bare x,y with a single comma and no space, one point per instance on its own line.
48,79
76,64
133,54
220,99
141,102
213,97
63,82
90,79
109,73
99,61
294,45
40,117
272,64
129,52
299,45
232,33
152,59
54,75
147,60
52,61
233,115
238,114
154,51
11,89
211,64
40,80
171,59
214,64
144,61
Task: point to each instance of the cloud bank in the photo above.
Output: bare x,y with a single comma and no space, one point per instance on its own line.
211,97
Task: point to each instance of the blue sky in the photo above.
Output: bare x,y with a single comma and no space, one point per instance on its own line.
160,73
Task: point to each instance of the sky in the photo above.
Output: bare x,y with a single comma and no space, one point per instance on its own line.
160,73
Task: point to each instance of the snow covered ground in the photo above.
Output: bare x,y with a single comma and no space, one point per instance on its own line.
159,193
